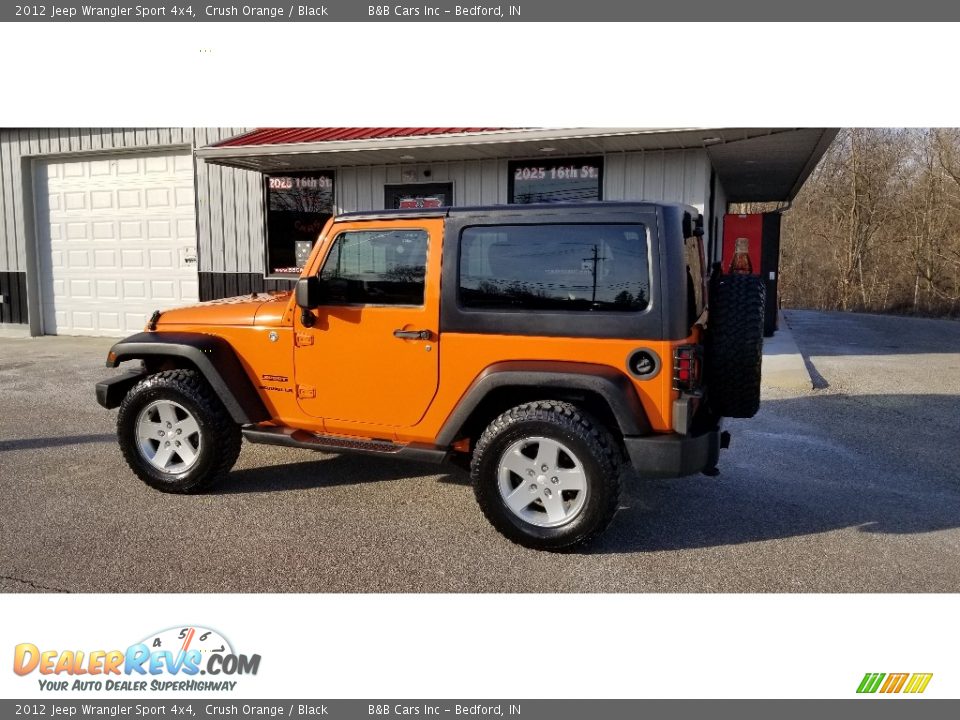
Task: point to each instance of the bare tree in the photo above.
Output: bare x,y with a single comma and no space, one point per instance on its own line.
872,228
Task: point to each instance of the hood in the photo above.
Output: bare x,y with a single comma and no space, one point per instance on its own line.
241,310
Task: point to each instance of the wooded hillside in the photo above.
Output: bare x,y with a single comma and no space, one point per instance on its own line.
877,226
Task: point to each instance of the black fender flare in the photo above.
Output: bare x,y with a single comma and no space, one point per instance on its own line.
602,380
212,356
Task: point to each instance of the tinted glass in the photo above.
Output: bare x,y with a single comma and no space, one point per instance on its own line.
298,205
555,180
372,267
555,267
695,279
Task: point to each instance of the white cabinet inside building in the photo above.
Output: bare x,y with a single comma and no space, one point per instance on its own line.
116,241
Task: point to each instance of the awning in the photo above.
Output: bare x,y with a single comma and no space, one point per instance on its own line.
753,164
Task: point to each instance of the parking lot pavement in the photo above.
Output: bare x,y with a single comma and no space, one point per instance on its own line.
852,487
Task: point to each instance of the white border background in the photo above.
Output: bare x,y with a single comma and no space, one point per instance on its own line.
478,74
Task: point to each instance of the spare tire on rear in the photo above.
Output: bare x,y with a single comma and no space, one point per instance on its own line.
735,345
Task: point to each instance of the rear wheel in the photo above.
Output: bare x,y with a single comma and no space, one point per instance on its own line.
735,345
546,475
175,433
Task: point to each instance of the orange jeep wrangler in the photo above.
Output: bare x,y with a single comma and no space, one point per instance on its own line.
545,346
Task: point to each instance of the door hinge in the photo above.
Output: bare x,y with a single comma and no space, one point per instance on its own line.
304,339
306,391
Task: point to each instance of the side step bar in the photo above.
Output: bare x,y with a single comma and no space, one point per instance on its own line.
327,443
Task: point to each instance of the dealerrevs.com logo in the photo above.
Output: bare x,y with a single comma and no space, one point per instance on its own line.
172,659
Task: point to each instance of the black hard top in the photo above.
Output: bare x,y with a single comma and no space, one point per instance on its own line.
585,208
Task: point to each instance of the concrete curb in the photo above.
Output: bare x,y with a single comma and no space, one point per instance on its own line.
14,331
783,364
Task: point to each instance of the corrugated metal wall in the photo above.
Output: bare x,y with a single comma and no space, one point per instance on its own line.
230,221
229,202
669,176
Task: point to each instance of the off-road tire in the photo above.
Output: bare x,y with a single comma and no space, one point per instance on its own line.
597,452
735,345
220,435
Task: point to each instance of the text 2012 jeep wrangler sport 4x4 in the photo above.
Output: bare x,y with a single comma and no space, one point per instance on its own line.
545,345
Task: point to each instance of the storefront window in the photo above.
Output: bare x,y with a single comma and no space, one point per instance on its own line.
418,195
555,180
298,205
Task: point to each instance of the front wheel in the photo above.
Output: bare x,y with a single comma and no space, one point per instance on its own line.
547,475
175,433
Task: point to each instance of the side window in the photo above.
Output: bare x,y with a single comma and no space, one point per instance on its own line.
577,268
376,267
695,279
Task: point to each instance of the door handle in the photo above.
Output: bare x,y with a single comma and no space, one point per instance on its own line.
412,334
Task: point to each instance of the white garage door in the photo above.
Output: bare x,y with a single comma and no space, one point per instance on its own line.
117,241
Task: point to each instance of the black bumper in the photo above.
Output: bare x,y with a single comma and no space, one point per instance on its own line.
672,455
110,392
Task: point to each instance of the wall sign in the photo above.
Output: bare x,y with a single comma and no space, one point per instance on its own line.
555,180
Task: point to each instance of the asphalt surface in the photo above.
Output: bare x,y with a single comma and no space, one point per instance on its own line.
852,487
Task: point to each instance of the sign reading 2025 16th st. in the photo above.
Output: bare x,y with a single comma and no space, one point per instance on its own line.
174,659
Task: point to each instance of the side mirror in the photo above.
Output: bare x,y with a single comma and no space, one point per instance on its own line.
309,292
309,295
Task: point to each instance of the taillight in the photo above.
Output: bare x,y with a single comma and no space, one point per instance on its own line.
687,362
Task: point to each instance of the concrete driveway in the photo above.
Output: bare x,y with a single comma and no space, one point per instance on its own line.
852,487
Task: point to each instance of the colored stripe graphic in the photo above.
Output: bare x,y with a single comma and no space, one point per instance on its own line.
870,682
894,683
918,683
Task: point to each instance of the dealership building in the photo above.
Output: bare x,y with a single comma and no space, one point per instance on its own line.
99,227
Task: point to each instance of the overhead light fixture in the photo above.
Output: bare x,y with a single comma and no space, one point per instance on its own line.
711,140
548,149
406,157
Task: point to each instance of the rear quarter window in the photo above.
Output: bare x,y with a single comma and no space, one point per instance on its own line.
567,267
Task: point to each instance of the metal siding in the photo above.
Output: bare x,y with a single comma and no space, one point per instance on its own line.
33,141
503,187
257,222
217,259
44,140
230,212
633,176
672,177
469,193
241,223
456,173
395,174
489,182
696,177
8,258
345,190
365,189
614,171
378,178
229,222
204,249
16,185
